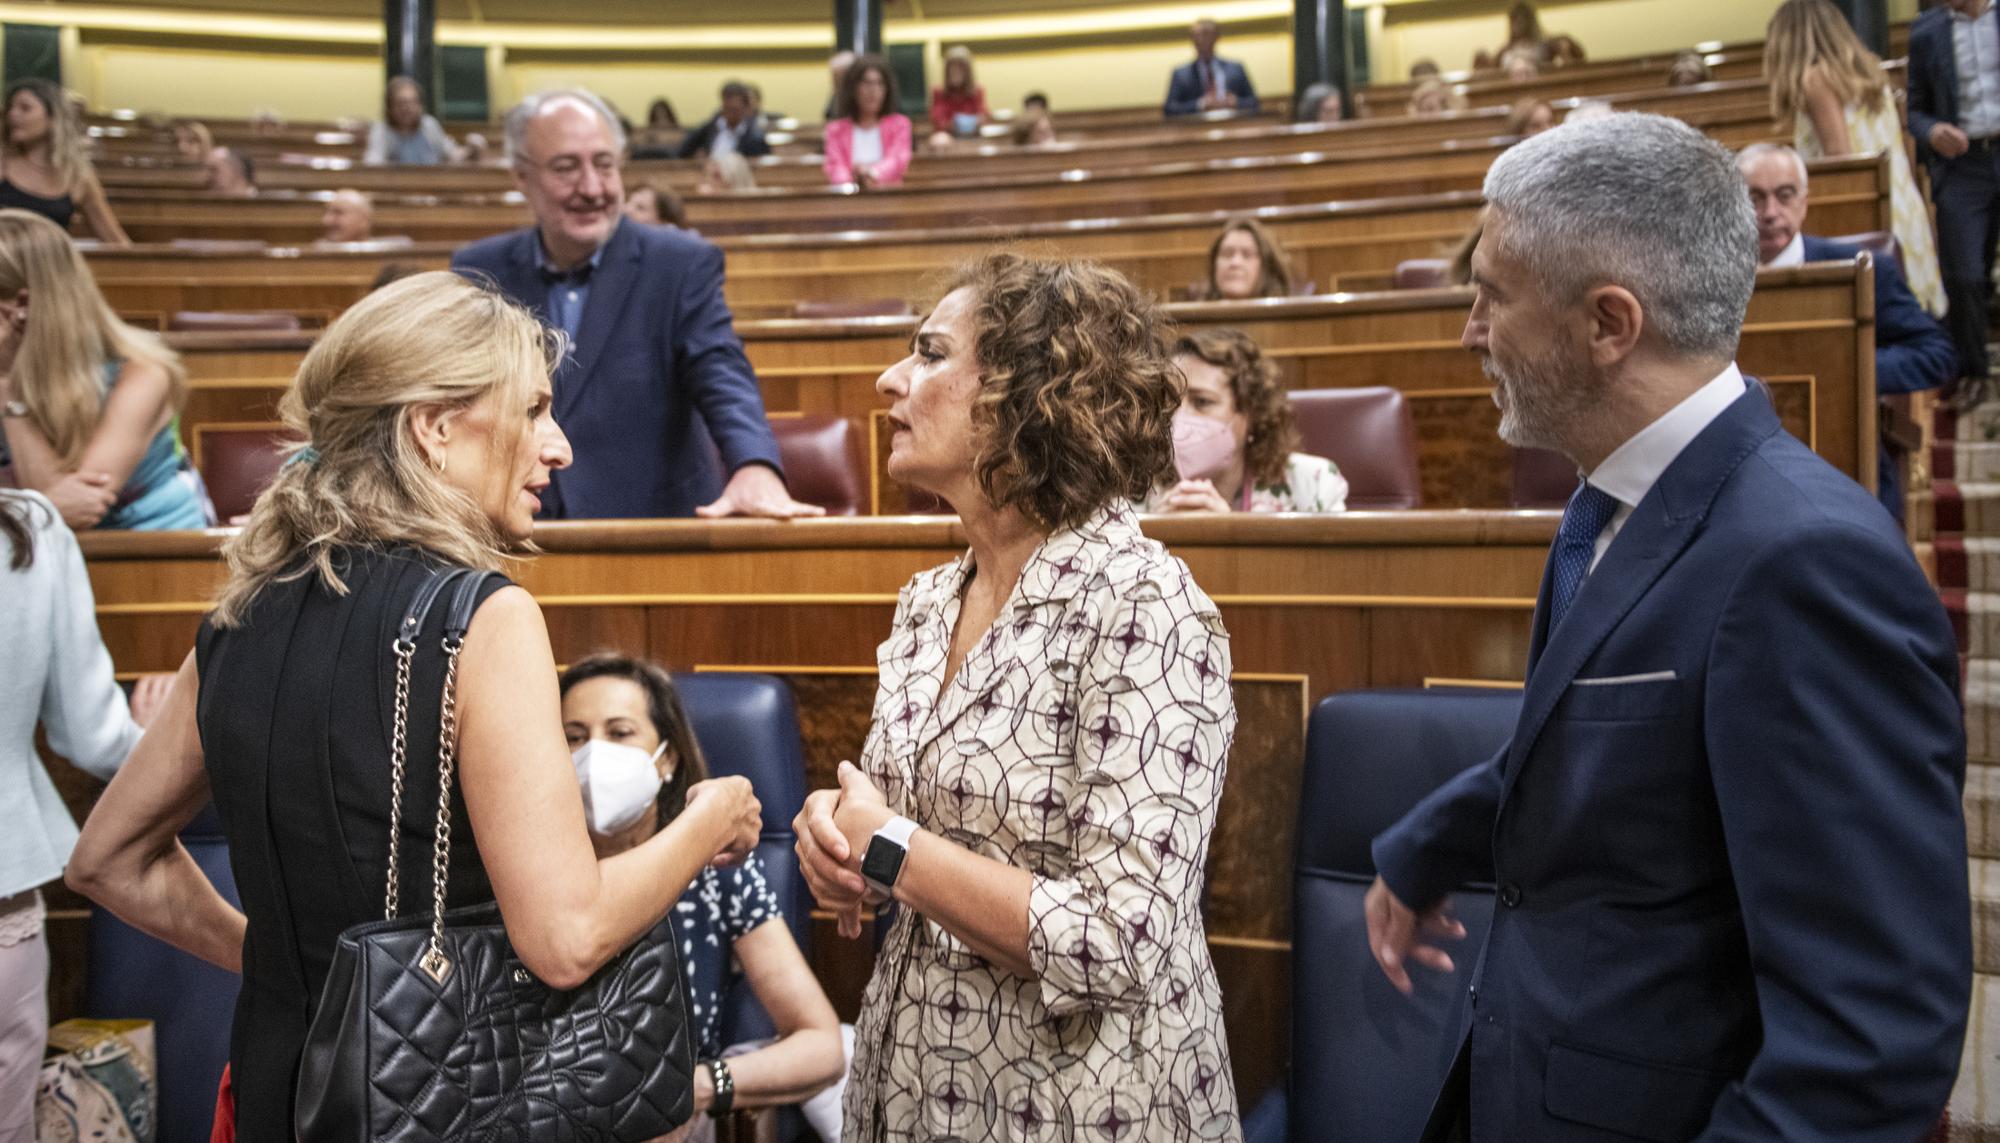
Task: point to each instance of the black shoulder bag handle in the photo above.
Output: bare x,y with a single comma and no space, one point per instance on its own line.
429,1028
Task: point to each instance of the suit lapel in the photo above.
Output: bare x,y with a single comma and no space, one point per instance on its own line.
610,292
1656,533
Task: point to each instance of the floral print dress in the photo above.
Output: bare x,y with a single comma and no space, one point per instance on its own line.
1083,739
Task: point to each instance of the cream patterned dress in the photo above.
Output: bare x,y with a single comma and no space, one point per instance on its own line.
1310,484
1870,132
1083,739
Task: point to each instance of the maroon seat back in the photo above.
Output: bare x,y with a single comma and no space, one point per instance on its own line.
1422,274
1881,243
237,462
1368,432
219,322
822,458
1542,479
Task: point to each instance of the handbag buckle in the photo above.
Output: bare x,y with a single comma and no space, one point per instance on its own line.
436,965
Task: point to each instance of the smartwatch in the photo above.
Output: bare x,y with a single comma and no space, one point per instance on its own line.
883,862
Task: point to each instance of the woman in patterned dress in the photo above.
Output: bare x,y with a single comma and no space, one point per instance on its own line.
636,756
1830,92
1052,721
1230,383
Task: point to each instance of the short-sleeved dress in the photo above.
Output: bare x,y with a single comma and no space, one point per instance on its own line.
1869,132
719,909
1084,739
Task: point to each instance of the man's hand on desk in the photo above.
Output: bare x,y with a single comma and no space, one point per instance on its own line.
757,491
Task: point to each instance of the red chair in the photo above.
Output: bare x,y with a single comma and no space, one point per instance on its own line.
238,462
1422,274
217,322
1542,479
1368,432
822,459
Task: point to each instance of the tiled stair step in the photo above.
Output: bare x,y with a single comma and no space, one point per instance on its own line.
1977,461
1982,809
1974,1116
1981,424
1971,507
1986,915
1981,685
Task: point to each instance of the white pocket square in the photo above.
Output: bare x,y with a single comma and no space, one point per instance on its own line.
1622,680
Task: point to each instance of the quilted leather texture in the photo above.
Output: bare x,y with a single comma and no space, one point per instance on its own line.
492,1054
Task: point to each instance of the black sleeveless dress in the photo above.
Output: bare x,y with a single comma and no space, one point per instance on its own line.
295,714
58,210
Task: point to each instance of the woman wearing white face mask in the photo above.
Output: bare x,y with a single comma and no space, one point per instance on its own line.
1234,436
636,759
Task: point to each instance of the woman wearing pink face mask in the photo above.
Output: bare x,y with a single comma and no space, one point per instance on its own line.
1234,436
636,758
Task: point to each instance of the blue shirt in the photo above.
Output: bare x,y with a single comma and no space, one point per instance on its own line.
569,290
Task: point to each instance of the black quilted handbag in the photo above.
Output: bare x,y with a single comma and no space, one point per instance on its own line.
430,1029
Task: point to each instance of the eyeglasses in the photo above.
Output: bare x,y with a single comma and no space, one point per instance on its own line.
568,169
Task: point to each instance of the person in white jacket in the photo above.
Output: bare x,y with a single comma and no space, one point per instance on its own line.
58,675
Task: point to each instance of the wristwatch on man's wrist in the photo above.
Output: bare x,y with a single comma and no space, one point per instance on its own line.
883,862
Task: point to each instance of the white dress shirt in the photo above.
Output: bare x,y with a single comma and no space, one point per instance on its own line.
1794,254
1635,466
867,149
1975,45
727,137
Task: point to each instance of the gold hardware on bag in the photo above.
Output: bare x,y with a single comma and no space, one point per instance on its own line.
521,976
436,965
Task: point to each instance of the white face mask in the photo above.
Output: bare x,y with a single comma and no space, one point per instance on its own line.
620,784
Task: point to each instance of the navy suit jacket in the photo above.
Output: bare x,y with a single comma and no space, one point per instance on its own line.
698,142
1184,91
1727,831
1912,351
1933,82
657,373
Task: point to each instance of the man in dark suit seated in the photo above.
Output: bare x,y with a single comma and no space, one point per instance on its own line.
734,130
1912,351
656,385
1209,83
1726,833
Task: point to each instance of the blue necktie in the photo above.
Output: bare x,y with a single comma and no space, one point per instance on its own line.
1589,511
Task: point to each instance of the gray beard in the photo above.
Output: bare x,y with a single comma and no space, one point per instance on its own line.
1544,399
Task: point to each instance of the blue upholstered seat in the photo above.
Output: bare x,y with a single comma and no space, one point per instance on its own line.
190,1002
1366,1060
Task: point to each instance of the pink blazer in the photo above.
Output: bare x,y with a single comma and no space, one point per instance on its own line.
838,143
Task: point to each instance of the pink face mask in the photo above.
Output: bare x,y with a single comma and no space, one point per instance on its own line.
1203,446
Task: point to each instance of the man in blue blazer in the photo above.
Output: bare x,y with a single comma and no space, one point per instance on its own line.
1955,118
1726,835
657,386
1210,83
1912,351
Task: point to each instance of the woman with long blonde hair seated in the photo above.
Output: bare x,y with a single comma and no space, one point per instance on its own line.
88,405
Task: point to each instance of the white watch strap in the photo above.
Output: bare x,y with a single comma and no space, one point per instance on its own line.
898,829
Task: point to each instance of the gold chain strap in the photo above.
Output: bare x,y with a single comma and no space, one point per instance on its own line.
434,961
405,649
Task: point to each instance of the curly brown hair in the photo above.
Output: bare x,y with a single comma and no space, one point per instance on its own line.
1274,274
1271,436
1076,390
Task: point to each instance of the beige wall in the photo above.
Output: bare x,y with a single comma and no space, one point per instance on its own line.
222,82
1120,76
